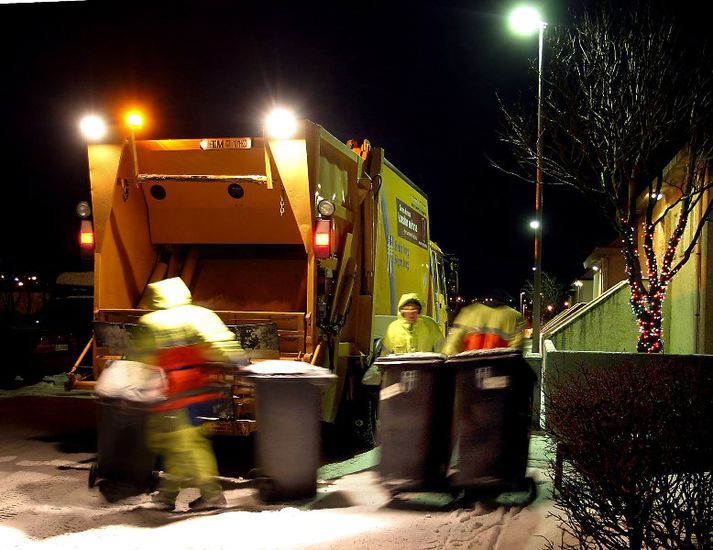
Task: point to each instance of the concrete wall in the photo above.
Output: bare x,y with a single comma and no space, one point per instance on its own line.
680,332
688,309
605,324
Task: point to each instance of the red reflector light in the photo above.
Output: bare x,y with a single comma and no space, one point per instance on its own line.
86,239
323,239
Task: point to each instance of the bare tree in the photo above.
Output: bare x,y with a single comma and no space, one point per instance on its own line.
622,95
552,294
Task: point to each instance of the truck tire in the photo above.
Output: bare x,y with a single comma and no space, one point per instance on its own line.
364,415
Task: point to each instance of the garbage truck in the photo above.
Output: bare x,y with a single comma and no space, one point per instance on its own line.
302,245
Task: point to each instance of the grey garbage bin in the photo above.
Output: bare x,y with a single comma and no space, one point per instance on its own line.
126,390
288,412
492,415
123,459
415,406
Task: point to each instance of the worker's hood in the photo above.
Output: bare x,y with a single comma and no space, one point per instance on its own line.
409,297
167,294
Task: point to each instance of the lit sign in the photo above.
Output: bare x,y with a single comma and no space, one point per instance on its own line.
226,143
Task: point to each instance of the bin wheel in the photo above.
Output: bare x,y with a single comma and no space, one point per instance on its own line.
154,479
93,472
266,490
528,485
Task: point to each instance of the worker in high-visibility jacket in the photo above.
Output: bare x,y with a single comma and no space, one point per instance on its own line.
411,332
184,340
486,325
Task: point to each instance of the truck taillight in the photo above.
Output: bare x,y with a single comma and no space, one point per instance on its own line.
323,239
86,237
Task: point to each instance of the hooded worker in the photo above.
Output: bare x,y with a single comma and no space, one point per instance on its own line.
486,325
411,332
183,340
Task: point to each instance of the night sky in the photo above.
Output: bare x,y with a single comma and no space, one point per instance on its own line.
418,79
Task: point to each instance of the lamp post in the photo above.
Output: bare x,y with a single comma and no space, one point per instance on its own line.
525,20
135,121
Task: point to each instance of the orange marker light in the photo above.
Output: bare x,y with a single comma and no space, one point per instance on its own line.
134,120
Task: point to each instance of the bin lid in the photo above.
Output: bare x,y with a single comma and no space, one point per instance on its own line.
131,381
483,354
288,370
422,358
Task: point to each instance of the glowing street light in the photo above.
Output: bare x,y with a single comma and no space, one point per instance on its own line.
525,20
93,127
534,224
281,124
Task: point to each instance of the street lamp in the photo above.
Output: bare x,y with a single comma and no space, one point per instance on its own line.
525,20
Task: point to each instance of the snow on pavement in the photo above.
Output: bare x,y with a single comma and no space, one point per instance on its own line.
45,503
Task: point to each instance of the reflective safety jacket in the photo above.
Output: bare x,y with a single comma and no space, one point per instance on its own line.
404,337
479,326
183,340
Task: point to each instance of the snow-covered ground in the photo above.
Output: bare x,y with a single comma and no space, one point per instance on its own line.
46,449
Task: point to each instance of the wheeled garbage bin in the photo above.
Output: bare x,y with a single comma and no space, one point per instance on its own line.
123,459
492,415
288,413
415,406
125,390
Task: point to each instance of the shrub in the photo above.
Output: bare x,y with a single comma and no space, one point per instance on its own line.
637,442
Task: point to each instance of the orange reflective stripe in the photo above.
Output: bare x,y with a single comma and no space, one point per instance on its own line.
173,404
483,340
187,376
185,379
181,356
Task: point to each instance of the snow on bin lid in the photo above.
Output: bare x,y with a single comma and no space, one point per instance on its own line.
492,352
415,357
131,381
277,367
419,355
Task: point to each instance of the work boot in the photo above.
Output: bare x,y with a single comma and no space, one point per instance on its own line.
210,503
163,501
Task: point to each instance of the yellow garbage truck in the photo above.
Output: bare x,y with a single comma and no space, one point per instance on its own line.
302,245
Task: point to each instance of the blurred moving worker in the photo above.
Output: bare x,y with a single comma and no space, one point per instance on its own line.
486,325
411,332
183,340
